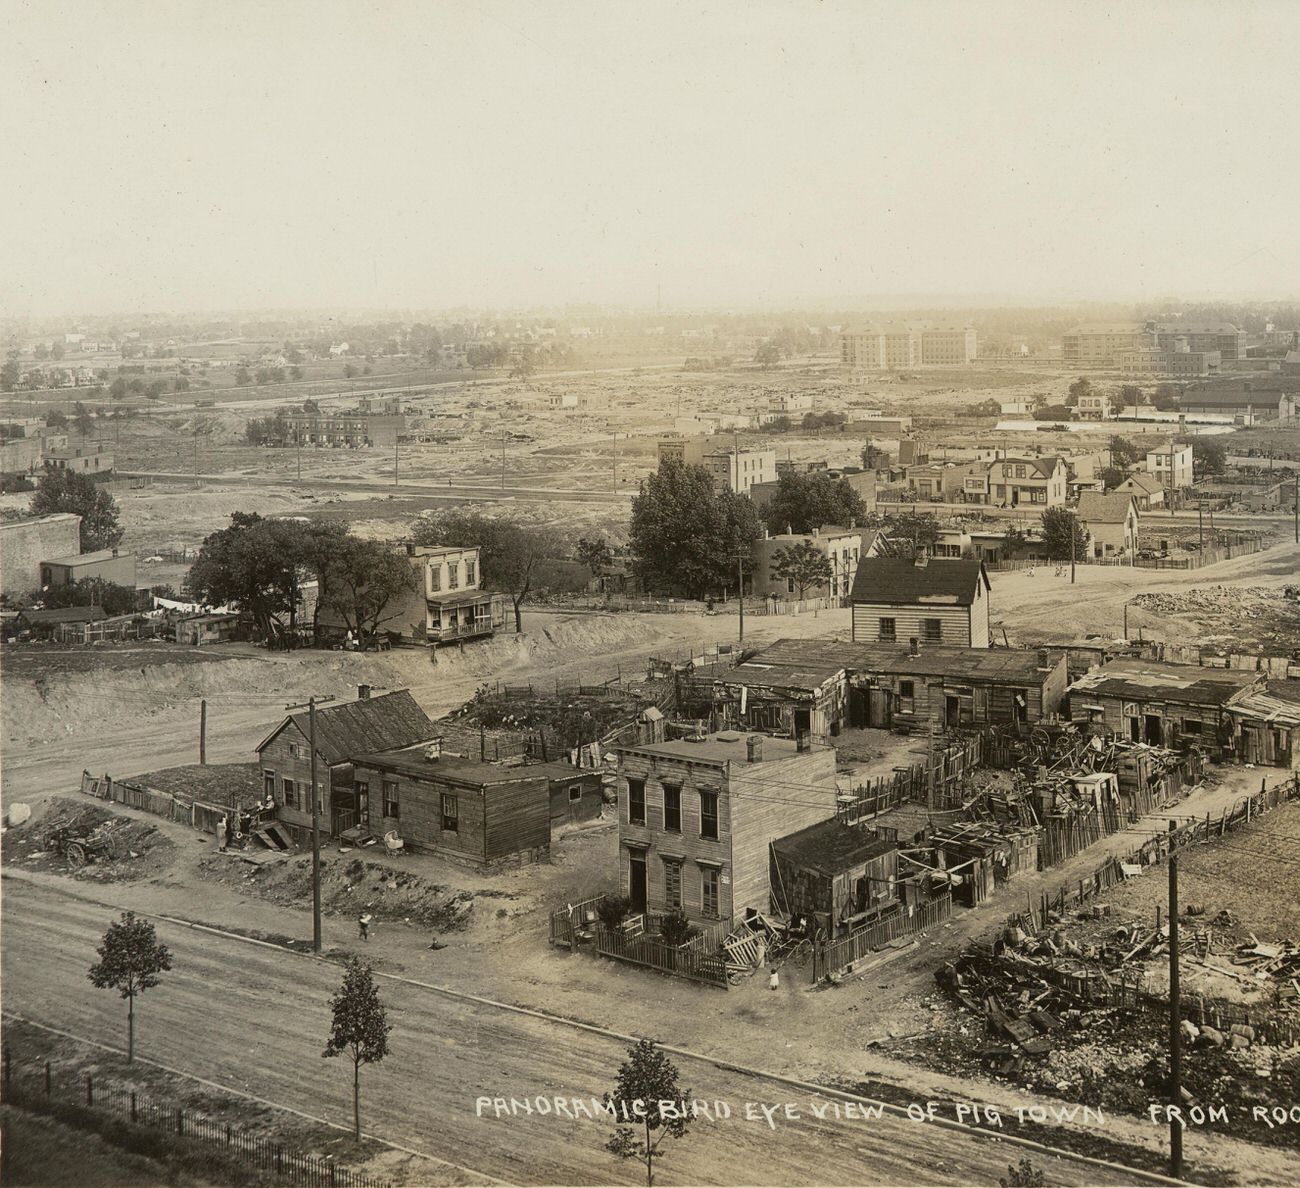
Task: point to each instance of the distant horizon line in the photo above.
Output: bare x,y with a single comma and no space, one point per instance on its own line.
572,309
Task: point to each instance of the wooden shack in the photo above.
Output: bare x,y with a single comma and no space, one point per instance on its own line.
841,875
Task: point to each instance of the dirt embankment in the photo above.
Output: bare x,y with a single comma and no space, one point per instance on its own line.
351,885
68,702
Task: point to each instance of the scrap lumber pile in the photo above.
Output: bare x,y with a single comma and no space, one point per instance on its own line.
1278,963
1026,998
747,945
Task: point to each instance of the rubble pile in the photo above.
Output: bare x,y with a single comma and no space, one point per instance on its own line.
1215,600
89,842
1081,1012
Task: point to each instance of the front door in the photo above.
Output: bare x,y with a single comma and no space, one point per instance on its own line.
1154,734
636,881
802,722
881,709
952,710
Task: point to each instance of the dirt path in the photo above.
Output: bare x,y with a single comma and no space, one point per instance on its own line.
254,1018
1048,608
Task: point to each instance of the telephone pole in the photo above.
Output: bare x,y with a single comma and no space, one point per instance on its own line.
503,461
740,592
203,732
1074,528
315,819
616,463
394,461
298,438
196,453
1175,1029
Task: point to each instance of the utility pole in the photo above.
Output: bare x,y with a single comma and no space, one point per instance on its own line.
394,461
1074,527
503,461
203,732
740,592
297,436
1175,1029
1295,490
1200,522
1126,620
196,453
315,819
616,463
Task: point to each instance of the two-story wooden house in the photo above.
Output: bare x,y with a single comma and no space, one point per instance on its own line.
343,732
457,608
934,600
696,818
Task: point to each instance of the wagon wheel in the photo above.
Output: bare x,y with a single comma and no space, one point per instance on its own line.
76,855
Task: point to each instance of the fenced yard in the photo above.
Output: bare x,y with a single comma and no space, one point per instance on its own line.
839,954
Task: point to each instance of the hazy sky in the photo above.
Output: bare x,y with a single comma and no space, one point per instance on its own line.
164,155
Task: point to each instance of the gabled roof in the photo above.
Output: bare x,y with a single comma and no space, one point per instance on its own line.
1095,508
362,727
1148,484
898,581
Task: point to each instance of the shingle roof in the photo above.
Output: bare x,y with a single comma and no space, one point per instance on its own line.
1095,508
899,581
362,727
831,846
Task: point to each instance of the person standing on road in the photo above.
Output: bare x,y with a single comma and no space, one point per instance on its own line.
364,922
773,980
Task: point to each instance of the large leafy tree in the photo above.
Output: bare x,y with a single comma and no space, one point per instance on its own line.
131,958
1208,455
67,491
256,563
685,536
360,1028
803,502
510,553
803,564
364,581
1061,527
1124,452
906,531
647,1082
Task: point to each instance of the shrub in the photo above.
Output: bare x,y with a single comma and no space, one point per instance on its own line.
613,910
1023,1175
676,929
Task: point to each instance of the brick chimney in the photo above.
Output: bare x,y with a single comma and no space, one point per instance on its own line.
803,742
363,692
1044,661
914,646
754,748
433,750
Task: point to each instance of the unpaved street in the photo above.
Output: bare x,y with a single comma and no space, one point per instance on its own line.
255,1019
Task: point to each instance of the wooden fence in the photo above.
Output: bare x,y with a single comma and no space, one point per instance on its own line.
938,781
686,962
834,956
197,813
35,1086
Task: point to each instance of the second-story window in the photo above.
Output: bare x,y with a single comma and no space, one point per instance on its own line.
708,814
672,808
636,802
435,578
469,573
453,574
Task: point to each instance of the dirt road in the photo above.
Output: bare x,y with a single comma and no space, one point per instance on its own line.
255,1019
